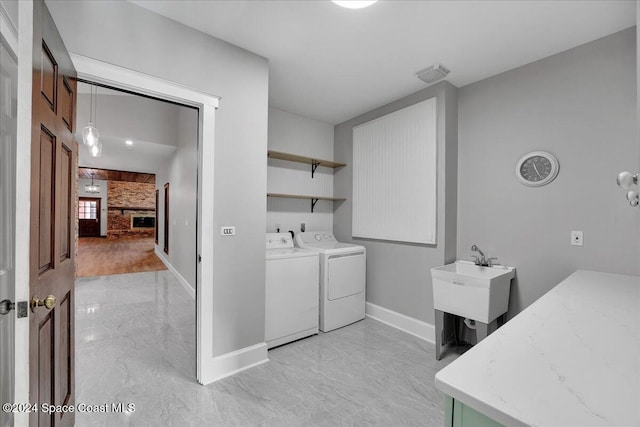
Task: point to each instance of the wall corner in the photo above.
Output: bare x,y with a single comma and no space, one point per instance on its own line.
451,172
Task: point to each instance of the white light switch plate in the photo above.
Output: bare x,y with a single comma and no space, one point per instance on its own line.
576,238
228,230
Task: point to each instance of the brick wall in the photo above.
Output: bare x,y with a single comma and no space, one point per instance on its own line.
124,199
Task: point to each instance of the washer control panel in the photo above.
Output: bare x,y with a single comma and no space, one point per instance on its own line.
279,240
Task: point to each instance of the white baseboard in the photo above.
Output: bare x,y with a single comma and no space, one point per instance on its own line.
172,269
415,327
231,363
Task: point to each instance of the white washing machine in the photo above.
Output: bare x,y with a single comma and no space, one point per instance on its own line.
342,278
291,291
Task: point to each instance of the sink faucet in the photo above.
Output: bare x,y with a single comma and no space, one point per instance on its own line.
481,260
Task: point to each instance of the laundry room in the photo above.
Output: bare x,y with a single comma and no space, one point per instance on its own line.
400,213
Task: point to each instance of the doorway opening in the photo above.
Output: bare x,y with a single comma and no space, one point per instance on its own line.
146,144
208,366
138,270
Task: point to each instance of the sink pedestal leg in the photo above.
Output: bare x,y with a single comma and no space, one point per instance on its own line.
439,327
484,329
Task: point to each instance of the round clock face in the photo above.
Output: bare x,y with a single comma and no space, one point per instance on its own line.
537,168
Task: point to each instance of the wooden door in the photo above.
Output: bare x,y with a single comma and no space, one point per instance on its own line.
157,213
166,218
52,243
89,217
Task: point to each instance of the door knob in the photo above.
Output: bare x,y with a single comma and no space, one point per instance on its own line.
6,306
49,302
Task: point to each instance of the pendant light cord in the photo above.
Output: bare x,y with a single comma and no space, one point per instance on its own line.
95,116
91,105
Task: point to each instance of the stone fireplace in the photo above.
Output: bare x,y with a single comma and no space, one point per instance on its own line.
131,211
143,220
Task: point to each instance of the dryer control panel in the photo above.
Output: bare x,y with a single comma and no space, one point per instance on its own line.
315,237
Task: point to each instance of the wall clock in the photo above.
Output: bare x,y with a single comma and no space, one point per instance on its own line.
537,168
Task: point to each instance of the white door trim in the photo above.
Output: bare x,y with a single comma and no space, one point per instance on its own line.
123,78
23,202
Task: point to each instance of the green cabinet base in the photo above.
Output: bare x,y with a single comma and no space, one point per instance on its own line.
457,414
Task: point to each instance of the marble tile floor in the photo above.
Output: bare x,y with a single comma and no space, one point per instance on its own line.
135,343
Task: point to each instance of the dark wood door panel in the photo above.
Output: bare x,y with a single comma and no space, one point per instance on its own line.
166,218
88,228
66,103
46,371
46,199
48,76
53,221
157,213
66,191
64,370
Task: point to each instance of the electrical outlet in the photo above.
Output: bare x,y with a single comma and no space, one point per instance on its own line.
228,231
576,238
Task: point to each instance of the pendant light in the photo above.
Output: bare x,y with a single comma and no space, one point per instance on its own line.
96,149
93,188
90,134
628,181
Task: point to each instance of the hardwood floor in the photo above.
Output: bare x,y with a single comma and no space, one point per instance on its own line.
101,257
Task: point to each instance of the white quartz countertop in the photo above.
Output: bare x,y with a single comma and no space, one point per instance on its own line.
572,358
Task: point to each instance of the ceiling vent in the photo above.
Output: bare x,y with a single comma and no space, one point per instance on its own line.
433,74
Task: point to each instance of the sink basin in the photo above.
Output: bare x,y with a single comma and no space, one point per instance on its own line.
468,290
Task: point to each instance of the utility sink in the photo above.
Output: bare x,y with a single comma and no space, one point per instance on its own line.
472,291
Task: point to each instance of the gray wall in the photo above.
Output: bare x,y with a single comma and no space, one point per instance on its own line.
180,173
398,274
581,106
129,36
291,133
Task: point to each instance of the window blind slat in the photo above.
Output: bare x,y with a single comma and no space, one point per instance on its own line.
394,176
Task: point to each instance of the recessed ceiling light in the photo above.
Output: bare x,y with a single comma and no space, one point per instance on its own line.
128,142
354,4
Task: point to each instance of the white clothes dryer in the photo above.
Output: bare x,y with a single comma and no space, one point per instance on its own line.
342,278
291,291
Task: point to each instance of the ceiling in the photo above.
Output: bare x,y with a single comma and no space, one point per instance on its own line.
115,175
332,64
151,125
